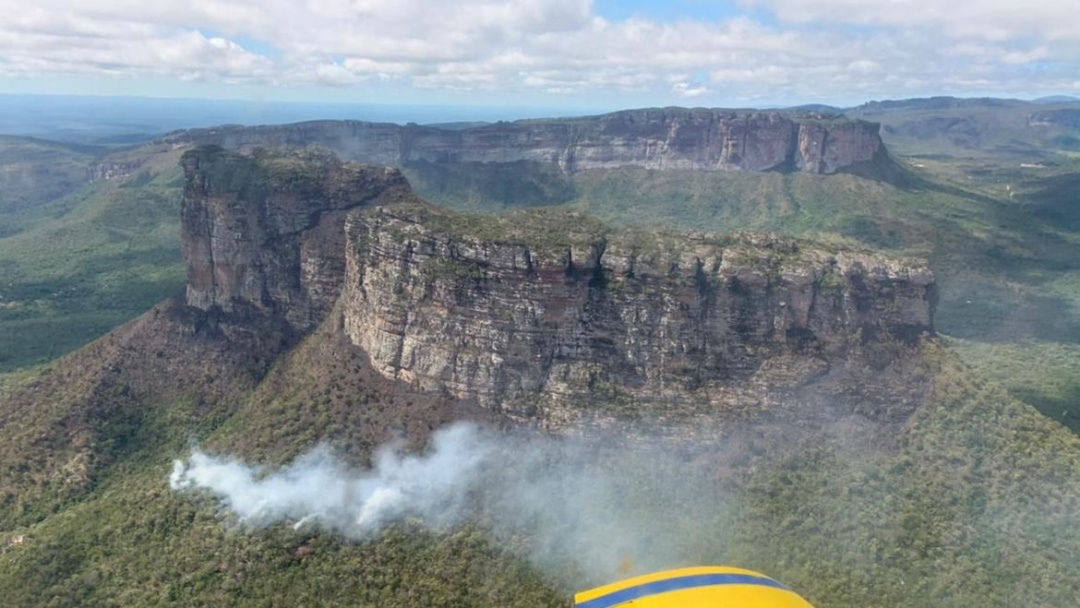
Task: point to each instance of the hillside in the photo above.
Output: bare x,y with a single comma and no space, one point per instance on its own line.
83,247
976,127
855,438
34,171
992,231
996,227
88,237
697,139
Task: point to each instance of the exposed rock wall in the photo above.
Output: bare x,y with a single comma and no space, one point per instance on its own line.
503,310
1059,127
109,171
544,315
668,138
1063,118
267,232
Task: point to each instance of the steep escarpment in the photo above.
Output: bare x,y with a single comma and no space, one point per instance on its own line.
531,311
1060,127
662,139
264,232
112,170
541,314
957,126
968,499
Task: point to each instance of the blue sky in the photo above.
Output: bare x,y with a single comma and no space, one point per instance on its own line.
601,54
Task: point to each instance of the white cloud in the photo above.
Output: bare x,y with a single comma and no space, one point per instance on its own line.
333,74
989,19
900,47
187,55
1020,57
689,90
864,66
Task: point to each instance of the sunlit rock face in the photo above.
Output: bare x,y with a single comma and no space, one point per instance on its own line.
266,233
661,139
499,313
547,315
111,171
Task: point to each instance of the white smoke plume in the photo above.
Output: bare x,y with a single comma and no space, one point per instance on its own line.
319,488
599,508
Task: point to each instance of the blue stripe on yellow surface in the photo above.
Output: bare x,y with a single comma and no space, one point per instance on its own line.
676,584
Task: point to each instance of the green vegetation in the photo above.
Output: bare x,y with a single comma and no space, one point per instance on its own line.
971,509
34,171
1002,239
971,502
74,267
968,503
126,539
474,186
548,230
993,259
1043,374
972,128
135,544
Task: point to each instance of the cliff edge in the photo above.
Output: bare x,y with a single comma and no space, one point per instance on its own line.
546,315
264,232
536,310
696,139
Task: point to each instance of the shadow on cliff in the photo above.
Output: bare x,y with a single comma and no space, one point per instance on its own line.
1065,409
884,168
995,258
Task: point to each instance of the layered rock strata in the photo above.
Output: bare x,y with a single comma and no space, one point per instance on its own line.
661,139
266,233
546,315
500,310
111,171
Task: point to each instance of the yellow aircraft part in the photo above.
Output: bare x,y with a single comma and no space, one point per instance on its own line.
710,587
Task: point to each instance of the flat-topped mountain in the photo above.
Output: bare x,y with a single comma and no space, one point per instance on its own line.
327,304
552,307
267,233
537,306
666,138
956,126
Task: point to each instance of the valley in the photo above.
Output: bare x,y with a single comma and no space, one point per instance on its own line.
837,343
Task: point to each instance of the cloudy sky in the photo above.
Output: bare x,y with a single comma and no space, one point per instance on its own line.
550,53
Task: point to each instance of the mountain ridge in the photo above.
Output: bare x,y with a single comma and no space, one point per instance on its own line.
571,308
414,282
676,138
944,492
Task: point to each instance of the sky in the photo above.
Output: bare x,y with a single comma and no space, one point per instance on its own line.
542,53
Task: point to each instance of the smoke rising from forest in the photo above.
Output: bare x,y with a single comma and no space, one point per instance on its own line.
598,507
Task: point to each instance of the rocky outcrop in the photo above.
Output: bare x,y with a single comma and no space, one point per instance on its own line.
543,315
266,232
1064,118
662,139
508,311
828,147
1060,128
111,171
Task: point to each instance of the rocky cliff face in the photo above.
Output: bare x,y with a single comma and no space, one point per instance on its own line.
1060,127
110,171
533,311
266,232
543,315
669,138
